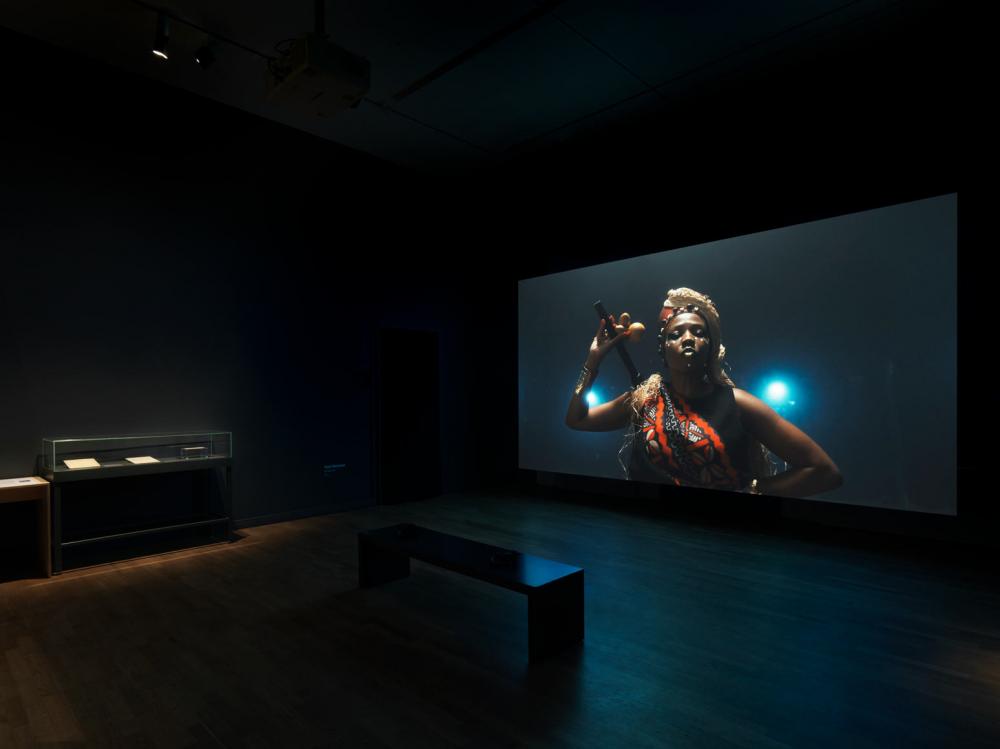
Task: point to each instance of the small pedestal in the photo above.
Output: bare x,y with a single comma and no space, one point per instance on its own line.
33,489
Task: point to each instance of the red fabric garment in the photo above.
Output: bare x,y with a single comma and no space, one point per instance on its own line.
704,444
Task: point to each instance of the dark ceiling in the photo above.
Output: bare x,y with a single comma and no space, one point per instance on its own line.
456,85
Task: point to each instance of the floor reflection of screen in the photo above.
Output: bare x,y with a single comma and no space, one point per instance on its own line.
839,350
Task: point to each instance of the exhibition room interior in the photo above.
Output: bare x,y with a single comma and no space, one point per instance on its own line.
555,373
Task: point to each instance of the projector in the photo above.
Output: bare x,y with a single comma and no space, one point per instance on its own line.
317,77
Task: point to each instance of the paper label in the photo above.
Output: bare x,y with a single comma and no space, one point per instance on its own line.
4,483
81,463
141,459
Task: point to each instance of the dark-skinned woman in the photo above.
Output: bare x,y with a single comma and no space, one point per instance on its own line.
696,428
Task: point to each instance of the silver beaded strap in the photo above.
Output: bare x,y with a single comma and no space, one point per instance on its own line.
581,382
675,437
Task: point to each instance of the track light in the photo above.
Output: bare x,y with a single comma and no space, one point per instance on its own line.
204,57
162,37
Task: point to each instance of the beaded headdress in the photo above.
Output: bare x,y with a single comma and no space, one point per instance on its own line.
684,300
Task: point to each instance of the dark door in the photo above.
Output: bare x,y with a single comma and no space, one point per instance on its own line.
407,416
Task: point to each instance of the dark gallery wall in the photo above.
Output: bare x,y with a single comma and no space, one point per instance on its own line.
170,264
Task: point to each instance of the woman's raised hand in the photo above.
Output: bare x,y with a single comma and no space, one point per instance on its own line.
603,342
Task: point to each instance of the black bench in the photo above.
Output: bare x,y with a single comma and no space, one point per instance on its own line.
554,590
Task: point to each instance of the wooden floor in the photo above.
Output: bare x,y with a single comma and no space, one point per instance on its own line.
697,636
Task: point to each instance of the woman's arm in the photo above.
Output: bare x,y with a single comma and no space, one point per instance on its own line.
812,469
606,417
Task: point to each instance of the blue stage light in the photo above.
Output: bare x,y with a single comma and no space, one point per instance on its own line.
776,393
592,399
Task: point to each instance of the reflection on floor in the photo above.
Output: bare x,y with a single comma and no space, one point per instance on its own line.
696,636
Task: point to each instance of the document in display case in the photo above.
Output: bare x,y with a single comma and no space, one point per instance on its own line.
114,453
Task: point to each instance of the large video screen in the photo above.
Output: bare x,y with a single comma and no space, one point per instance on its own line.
812,361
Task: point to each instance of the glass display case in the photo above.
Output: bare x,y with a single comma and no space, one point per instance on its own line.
60,456
120,497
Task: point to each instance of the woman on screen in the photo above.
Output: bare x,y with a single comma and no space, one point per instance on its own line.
696,428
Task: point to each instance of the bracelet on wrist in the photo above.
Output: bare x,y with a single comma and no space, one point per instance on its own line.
586,374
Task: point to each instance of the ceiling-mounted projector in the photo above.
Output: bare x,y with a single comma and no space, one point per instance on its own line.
317,77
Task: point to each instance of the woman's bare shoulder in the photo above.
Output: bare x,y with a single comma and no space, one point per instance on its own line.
743,398
747,403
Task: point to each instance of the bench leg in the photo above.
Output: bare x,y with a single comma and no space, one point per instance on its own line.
555,616
377,566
